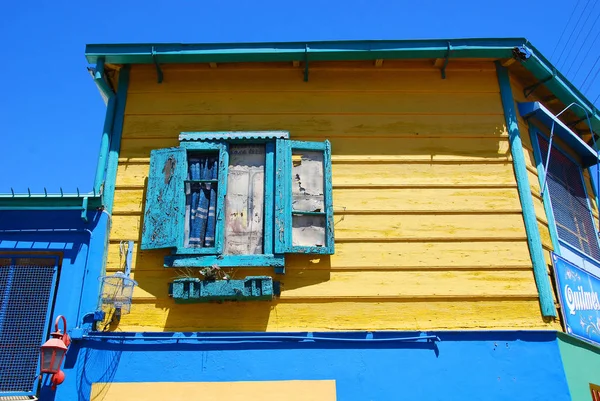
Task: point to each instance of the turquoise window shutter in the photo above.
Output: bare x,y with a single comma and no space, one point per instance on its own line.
165,199
304,198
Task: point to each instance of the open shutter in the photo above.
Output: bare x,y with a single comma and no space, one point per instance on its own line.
165,199
304,201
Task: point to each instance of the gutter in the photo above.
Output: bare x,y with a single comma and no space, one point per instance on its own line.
560,86
110,98
498,48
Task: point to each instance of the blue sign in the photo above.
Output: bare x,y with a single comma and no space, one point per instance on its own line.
578,292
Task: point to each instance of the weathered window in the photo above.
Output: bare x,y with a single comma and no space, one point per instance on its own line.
568,197
236,199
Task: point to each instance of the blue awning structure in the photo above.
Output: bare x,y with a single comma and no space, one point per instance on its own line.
589,156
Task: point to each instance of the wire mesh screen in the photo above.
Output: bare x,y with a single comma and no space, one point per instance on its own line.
569,202
116,292
25,291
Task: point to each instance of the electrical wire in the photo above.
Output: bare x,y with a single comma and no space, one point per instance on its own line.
578,35
565,29
572,32
581,47
590,72
593,79
587,52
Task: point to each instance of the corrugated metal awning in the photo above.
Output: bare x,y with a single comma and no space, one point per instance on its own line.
232,135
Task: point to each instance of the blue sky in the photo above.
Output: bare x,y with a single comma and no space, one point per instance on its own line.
52,115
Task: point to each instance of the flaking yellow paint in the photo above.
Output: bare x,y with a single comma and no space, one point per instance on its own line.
429,229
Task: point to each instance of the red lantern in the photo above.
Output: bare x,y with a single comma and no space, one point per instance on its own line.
53,352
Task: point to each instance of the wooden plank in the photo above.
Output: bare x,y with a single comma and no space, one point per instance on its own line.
400,228
423,174
165,315
291,79
438,200
401,125
310,283
400,255
153,261
411,227
472,147
352,173
391,201
319,103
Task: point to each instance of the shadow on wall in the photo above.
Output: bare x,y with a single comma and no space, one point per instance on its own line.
48,232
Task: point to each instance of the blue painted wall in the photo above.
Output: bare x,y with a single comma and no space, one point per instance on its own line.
80,245
462,366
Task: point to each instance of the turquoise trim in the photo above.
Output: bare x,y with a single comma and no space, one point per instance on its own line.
100,80
546,197
491,48
269,192
49,202
115,142
281,198
297,51
285,210
533,235
224,260
194,290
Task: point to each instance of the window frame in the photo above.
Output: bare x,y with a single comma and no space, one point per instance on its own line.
49,314
277,147
268,258
559,243
223,149
284,211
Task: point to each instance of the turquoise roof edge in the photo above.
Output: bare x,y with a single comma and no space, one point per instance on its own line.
497,48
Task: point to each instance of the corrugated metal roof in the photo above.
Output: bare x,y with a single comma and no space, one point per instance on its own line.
232,135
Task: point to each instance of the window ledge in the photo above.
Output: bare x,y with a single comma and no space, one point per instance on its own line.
192,290
224,260
589,156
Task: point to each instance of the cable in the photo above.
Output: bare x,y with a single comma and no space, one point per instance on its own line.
589,73
579,34
565,28
587,52
594,102
593,79
572,32
582,44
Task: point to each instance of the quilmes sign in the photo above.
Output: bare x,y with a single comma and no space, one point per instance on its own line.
579,293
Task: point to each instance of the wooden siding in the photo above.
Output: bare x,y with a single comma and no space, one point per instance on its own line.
429,230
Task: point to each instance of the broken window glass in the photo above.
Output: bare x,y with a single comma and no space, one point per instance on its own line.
308,200
244,206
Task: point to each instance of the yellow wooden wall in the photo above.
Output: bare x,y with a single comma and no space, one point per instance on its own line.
428,226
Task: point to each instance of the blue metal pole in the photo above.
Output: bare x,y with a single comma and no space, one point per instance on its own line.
531,228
